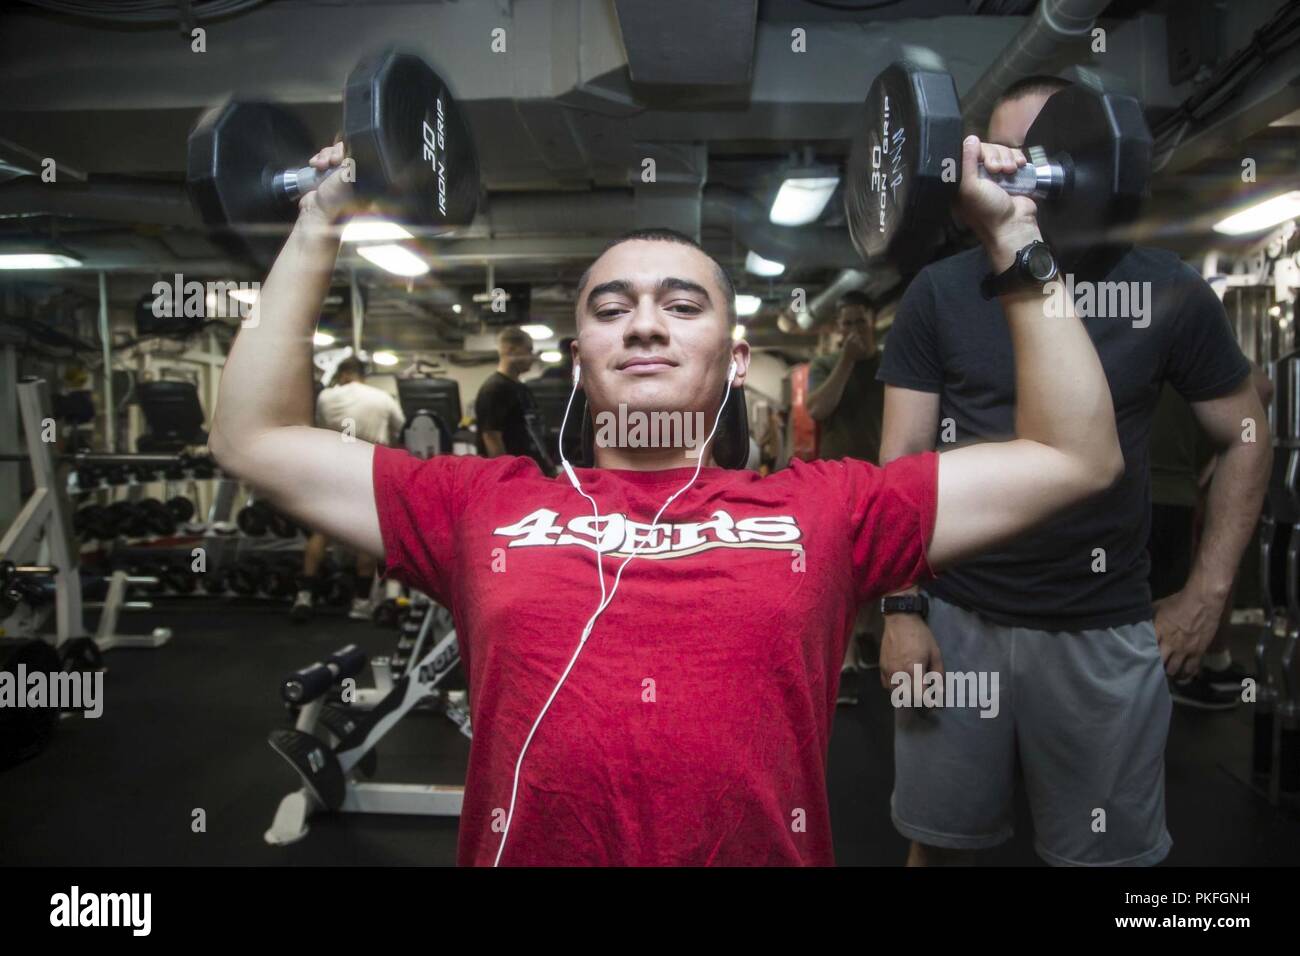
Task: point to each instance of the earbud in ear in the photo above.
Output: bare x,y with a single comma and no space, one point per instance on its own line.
577,372
731,372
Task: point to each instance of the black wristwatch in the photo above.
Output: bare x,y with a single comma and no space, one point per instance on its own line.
1035,266
905,604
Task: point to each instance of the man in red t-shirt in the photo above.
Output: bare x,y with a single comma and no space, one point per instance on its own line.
688,722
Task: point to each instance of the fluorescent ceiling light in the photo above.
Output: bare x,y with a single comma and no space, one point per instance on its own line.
456,308
37,260
322,338
759,266
538,332
395,259
383,358
248,296
373,230
738,332
552,356
1262,215
800,200
747,304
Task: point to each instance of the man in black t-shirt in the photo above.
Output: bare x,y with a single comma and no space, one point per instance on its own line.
1062,616
509,422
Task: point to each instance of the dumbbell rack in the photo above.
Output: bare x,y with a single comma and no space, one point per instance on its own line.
42,534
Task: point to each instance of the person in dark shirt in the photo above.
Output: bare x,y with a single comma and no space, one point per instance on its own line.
1182,464
509,422
847,402
1063,614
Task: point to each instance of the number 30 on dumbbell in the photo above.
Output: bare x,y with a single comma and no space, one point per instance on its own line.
411,152
1089,166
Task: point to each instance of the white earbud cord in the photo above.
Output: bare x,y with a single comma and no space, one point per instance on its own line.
604,600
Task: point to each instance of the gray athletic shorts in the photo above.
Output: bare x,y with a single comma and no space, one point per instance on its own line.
1086,713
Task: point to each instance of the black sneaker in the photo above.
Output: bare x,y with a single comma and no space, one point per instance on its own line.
1199,692
1228,680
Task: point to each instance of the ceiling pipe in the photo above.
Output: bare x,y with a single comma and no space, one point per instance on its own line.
1055,26
790,321
814,247
134,202
601,213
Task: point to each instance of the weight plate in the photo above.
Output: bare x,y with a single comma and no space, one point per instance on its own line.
182,509
1104,144
415,157
904,164
231,156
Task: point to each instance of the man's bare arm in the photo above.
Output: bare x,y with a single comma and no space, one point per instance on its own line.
1187,621
825,398
263,426
1066,446
494,443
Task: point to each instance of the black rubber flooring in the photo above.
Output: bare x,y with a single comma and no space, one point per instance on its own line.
185,729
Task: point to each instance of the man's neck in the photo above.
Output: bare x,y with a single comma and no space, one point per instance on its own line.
649,459
504,369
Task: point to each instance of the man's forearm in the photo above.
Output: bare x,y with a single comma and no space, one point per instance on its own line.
1232,508
266,382
826,397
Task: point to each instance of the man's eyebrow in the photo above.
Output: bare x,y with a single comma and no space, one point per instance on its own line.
666,284
684,285
618,286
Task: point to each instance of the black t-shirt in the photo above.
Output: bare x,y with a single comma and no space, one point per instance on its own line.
948,339
506,406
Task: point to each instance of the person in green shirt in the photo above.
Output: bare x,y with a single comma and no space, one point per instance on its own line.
848,404
844,397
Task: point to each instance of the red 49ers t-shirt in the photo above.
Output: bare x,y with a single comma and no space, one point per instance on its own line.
693,728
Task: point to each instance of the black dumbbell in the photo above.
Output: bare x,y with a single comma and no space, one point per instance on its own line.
248,577
281,580
1089,165
214,582
410,149
88,522
120,518
179,579
254,519
281,525
202,467
181,508
156,517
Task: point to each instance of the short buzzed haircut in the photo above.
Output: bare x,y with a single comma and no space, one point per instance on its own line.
855,297
672,235
352,366
513,335
1040,84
